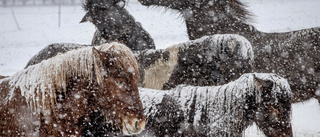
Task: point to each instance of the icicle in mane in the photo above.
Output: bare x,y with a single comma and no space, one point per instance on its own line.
221,111
68,87
51,75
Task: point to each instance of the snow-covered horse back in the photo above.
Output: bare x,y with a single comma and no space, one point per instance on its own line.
220,111
56,96
114,23
293,55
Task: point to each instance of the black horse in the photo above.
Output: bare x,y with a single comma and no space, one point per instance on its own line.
293,55
114,23
220,111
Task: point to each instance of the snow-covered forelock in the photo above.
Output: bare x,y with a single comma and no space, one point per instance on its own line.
39,82
224,104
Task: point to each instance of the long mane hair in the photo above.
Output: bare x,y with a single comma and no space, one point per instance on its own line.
45,78
51,75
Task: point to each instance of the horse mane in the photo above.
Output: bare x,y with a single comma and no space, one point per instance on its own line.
91,4
39,83
234,9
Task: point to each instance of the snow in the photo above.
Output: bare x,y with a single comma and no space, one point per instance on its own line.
39,28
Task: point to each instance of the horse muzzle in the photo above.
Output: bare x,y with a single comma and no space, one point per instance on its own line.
133,126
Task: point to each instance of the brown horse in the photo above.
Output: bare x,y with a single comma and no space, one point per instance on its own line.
57,96
293,55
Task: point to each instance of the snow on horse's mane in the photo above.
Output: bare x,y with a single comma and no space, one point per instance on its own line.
52,74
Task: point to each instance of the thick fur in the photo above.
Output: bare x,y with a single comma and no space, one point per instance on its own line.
57,96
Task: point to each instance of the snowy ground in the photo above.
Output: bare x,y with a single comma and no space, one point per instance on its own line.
37,27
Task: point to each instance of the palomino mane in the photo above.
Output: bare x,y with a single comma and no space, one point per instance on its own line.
38,83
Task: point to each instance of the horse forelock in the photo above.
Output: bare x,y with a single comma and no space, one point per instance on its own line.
280,86
124,56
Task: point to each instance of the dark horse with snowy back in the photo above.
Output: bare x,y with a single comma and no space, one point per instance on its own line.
293,55
57,96
220,111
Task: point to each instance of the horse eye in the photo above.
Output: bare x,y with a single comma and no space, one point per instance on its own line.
119,82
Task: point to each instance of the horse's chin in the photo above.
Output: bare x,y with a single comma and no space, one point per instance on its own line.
132,126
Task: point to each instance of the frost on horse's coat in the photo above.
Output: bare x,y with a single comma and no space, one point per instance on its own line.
56,96
225,110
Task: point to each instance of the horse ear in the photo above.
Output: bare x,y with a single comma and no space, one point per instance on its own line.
95,52
262,83
86,18
105,57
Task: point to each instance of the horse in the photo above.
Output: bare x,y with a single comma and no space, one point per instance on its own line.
57,96
115,23
201,62
220,111
293,55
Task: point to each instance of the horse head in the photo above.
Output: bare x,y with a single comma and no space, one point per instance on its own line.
273,111
110,17
117,95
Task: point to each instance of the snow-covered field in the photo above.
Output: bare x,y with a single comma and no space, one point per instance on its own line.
36,27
